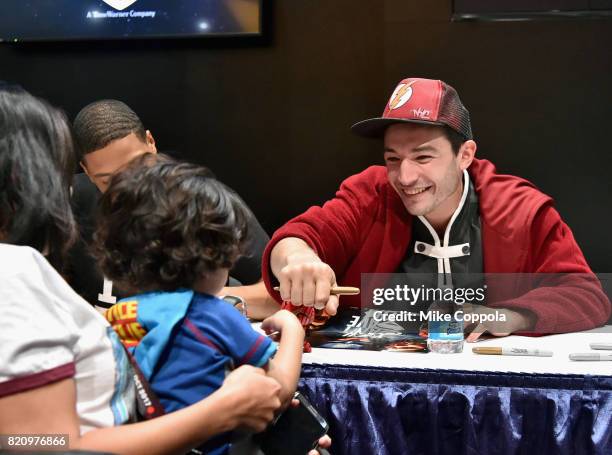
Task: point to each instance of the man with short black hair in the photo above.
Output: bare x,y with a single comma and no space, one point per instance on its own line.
436,209
108,135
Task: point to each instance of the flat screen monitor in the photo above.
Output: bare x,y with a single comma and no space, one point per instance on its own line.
61,20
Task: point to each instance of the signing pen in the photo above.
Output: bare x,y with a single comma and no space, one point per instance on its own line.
337,290
490,350
601,346
590,356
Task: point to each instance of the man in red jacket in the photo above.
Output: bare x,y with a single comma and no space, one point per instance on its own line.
435,208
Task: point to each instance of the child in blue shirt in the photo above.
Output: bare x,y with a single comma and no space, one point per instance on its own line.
168,233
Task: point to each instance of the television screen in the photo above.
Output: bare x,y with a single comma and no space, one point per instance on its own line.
59,20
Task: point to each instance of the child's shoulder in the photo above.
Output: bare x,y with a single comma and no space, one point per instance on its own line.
211,304
215,315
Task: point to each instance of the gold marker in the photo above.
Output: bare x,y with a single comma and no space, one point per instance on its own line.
490,350
337,290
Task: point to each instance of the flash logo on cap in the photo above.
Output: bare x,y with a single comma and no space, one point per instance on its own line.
401,95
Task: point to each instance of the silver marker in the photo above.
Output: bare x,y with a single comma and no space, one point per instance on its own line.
601,346
590,356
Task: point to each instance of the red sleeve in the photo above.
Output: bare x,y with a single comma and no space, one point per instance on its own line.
574,299
334,231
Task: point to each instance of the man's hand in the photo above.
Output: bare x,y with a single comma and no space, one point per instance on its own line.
256,397
303,278
515,321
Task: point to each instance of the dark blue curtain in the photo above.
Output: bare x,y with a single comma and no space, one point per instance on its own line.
398,411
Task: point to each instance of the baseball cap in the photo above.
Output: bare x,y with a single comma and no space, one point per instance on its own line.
424,101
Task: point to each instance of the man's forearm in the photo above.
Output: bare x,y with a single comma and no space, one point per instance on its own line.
260,304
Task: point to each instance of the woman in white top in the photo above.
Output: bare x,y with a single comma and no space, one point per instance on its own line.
62,370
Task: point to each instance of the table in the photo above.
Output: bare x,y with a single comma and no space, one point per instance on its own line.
411,403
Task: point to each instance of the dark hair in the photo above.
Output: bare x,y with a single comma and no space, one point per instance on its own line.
162,225
456,140
36,164
102,122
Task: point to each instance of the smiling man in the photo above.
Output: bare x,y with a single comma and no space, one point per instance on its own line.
109,135
435,209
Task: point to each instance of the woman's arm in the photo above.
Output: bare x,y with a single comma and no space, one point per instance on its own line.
247,398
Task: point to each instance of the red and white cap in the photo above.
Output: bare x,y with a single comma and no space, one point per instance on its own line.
424,101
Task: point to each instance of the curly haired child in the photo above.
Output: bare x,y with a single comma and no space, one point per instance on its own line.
168,232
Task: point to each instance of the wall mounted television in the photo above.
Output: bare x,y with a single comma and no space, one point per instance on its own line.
65,20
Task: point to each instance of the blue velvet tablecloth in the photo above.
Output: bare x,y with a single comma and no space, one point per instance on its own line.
416,411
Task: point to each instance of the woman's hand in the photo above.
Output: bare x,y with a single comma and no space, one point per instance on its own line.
255,395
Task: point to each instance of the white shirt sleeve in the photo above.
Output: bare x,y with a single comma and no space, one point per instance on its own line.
38,336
